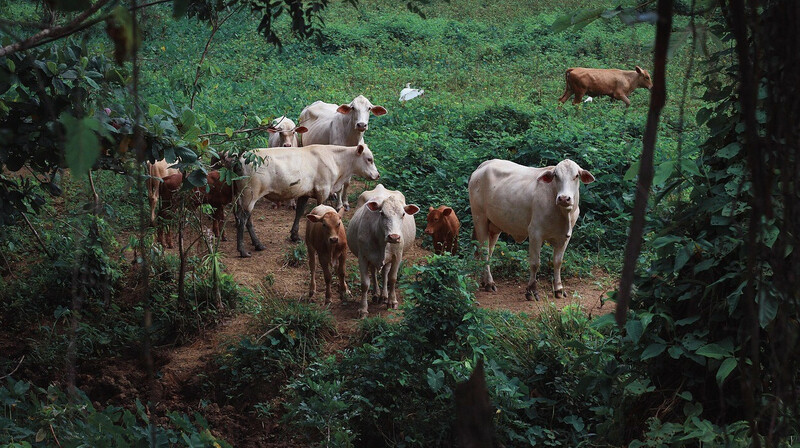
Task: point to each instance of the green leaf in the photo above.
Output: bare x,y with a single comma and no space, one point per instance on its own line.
187,118
435,379
683,255
632,171
191,134
603,321
767,306
714,351
725,369
703,115
690,166
52,67
197,177
634,329
229,132
81,146
653,350
729,150
663,172
10,64
665,240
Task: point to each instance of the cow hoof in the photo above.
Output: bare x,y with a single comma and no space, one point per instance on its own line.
560,293
391,306
490,287
362,314
294,237
260,247
347,207
245,254
531,295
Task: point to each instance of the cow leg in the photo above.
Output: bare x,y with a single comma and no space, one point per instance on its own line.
534,252
343,195
344,291
242,220
325,262
298,214
558,258
312,287
386,288
217,225
363,266
252,231
578,96
392,282
481,233
565,96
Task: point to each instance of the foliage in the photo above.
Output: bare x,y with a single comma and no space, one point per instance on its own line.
293,338
296,254
37,417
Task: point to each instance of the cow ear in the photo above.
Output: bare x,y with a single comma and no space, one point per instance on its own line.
373,206
378,110
638,70
360,149
547,176
344,109
271,130
447,211
586,177
340,212
313,218
301,129
411,209
430,209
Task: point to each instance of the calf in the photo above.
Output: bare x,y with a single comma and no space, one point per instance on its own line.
156,172
168,189
326,237
378,233
297,173
443,226
218,195
283,133
618,84
540,204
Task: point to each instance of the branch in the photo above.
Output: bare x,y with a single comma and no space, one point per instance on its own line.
237,131
657,100
52,33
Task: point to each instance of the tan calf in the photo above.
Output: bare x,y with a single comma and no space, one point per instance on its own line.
618,84
443,226
326,238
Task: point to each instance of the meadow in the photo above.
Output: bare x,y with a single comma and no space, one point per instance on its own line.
233,353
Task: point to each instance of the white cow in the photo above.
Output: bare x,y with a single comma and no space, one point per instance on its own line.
378,234
540,204
297,173
283,133
331,124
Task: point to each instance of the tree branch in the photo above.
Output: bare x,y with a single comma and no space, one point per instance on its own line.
657,100
52,33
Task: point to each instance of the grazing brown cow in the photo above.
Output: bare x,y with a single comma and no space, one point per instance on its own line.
167,189
326,237
618,84
156,171
443,226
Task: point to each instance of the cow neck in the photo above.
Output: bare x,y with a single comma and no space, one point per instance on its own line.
351,136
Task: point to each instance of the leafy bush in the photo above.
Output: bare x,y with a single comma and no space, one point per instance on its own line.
296,254
509,262
36,417
294,335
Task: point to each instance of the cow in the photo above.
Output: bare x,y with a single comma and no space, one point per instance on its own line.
331,124
297,173
378,234
283,134
215,193
326,238
443,226
540,204
156,172
167,188
617,84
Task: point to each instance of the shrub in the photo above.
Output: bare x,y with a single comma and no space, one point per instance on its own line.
296,254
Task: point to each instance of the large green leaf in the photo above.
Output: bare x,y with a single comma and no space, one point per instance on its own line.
81,146
725,369
714,351
652,351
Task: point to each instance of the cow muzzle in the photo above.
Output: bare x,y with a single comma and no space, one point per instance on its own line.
334,239
393,238
428,231
361,127
564,201
287,145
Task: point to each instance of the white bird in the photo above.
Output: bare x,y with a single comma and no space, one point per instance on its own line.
408,93
588,99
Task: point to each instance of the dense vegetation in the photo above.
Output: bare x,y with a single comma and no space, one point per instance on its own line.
707,302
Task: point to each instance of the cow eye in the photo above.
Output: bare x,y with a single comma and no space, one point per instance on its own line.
369,160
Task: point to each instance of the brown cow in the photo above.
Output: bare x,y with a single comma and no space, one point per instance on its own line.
217,194
443,226
156,171
326,237
167,189
618,84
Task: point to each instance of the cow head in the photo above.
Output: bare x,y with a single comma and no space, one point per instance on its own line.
365,163
436,217
331,224
644,78
392,211
286,131
358,110
566,179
